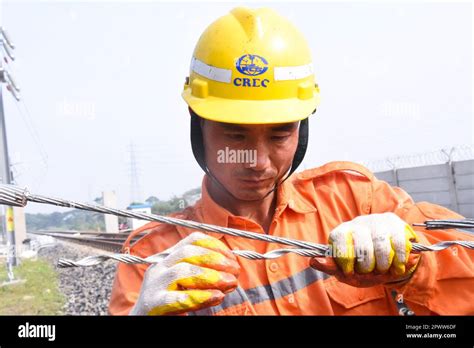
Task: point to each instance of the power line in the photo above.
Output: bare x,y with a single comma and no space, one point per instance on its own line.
33,132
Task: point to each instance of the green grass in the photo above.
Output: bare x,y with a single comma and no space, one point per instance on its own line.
39,295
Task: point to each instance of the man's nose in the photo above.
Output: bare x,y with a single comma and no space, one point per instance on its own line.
259,158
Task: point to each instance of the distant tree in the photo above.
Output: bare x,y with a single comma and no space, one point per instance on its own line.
136,203
192,192
87,221
71,220
152,200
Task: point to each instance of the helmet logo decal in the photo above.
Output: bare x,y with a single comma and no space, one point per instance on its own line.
252,65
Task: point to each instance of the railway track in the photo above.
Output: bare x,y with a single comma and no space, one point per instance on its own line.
105,241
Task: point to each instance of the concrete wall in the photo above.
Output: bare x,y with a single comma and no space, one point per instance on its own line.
450,184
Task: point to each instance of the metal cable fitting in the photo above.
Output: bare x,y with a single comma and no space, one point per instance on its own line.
450,223
248,254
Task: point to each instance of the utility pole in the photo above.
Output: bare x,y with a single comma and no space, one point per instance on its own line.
6,78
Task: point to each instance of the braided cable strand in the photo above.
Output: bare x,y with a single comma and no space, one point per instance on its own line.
14,196
131,259
416,247
248,254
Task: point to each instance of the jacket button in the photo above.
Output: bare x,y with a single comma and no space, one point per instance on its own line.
273,267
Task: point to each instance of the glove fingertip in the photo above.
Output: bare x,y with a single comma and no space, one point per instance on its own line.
215,245
398,269
410,234
346,265
364,270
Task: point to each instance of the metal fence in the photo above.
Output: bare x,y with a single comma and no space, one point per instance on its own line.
449,183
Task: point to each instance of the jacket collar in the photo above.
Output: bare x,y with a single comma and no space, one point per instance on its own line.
288,196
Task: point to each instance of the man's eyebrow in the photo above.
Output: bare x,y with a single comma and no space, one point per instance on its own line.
285,127
233,127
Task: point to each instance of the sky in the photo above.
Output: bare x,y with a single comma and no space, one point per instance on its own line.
100,77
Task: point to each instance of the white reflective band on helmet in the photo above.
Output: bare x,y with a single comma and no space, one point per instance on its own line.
292,72
211,72
225,75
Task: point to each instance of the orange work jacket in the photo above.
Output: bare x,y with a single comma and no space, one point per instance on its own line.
309,205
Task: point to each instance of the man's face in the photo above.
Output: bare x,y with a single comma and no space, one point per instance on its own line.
249,159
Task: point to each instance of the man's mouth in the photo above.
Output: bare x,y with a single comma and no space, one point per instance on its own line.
256,182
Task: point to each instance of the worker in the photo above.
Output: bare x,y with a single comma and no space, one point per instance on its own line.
251,91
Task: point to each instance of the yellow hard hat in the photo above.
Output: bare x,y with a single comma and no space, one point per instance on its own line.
252,66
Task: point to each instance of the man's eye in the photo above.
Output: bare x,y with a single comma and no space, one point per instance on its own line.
236,136
279,137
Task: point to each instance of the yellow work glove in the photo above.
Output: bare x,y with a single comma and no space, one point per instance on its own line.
370,250
196,274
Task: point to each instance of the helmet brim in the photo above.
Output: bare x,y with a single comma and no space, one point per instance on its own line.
251,111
